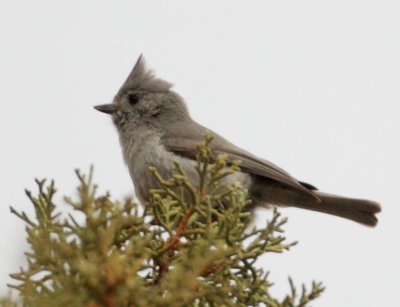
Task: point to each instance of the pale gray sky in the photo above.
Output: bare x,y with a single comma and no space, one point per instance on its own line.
311,85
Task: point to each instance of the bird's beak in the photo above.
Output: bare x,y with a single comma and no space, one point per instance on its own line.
106,108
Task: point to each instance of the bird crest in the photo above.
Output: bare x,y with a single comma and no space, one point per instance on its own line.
142,79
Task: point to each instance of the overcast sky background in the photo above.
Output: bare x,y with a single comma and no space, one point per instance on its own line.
311,85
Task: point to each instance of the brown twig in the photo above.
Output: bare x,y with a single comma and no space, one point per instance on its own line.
213,268
172,244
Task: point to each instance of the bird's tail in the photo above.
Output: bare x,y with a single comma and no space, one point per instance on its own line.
358,210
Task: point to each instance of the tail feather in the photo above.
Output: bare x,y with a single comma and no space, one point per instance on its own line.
266,192
358,210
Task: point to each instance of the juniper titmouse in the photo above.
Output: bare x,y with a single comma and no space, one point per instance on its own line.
155,129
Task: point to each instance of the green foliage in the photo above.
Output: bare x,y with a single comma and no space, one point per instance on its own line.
190,246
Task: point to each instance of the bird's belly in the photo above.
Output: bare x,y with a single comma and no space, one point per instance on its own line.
163,160
143,179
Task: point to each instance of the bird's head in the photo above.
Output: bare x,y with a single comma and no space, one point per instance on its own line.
144,99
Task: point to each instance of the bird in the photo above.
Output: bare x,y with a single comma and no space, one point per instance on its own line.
155,130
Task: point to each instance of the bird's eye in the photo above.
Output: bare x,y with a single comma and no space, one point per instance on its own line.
133,99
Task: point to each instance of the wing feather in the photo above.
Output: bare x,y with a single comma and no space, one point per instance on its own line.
182,138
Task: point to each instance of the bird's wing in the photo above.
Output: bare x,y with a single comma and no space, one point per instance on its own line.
182,138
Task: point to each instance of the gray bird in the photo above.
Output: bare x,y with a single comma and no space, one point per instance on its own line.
155,129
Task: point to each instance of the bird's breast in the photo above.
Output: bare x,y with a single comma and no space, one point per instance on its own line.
147,151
